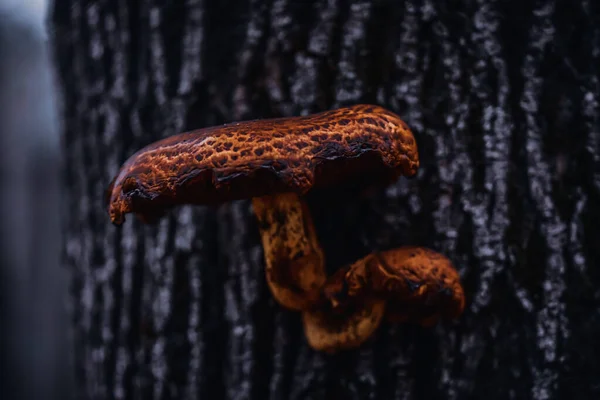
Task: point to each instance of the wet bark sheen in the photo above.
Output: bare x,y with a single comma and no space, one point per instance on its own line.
503,99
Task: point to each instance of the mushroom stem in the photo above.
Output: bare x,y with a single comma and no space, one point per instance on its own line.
295,270
329,331
346,320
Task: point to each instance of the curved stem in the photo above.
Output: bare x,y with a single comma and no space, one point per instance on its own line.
295,269
331,331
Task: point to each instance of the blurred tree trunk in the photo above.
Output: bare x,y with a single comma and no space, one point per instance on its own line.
35,347
503,98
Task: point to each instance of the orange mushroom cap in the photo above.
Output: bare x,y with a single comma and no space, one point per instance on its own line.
418,283
260,157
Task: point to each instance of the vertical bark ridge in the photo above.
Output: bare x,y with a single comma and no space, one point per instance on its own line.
350,80
310,87
551,324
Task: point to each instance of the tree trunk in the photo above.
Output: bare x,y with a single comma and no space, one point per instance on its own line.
503,100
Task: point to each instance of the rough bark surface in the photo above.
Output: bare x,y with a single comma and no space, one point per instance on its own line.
503,99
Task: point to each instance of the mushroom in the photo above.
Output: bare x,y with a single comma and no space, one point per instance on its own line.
275,162
413,284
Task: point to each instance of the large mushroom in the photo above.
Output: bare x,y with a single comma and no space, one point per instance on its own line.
407,284
275,162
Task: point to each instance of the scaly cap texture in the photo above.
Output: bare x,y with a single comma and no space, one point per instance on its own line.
254,158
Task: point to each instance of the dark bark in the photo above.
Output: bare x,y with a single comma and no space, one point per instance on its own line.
503,100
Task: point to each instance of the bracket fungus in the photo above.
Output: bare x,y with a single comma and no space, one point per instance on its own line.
406,284
274,162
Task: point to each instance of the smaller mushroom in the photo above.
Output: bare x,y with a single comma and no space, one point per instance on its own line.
413,284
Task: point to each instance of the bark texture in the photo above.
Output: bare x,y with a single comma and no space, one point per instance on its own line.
503,99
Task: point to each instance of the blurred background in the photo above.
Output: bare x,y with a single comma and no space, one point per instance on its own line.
502,97
36,350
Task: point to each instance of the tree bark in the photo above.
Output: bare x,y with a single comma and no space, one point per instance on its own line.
503,100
